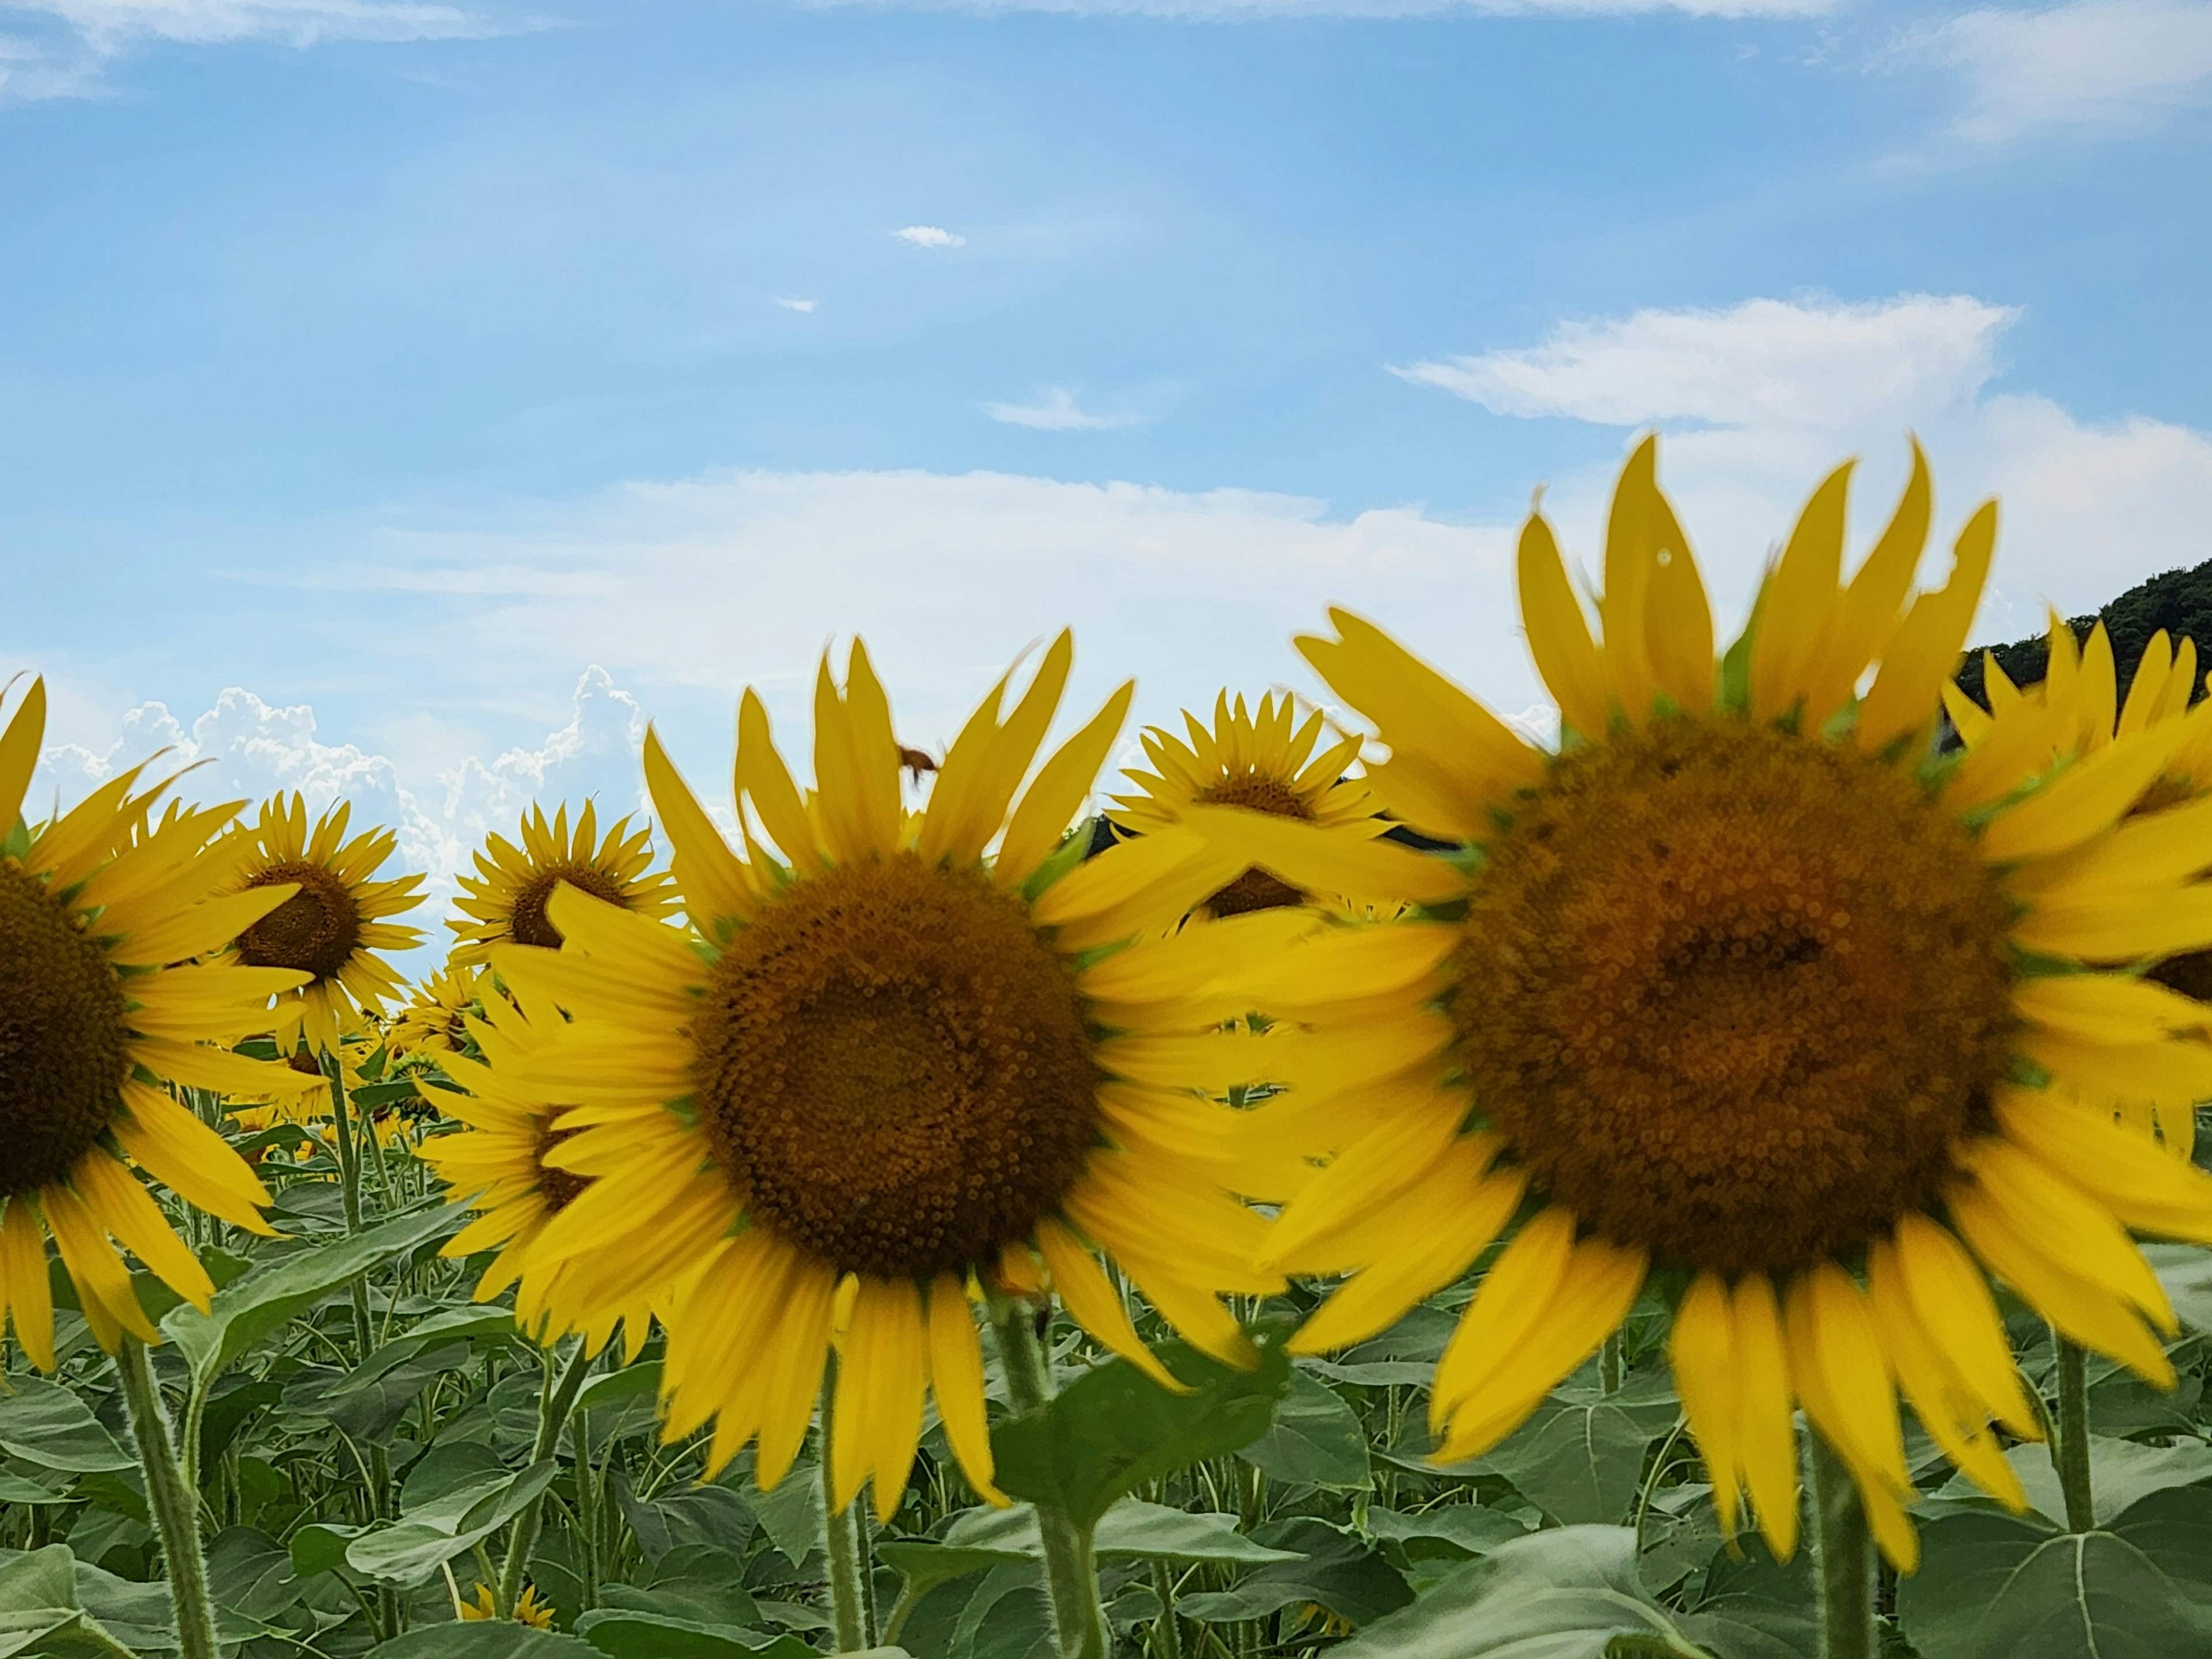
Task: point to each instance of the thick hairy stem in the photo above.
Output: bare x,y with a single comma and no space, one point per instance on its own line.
174,1505
587,1513
1071,1569
840,1537
2069,1446
555,1401
1843,1557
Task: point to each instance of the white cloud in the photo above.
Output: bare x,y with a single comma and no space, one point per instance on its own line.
1764,361
245,749
109,24
1057,411
1234,11
805,306
1760,399
2091,64
930,236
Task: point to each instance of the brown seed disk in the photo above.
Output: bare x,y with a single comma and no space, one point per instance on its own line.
1733,995
1255,889
559,1188
64,1047
895,1068
313,931
530,925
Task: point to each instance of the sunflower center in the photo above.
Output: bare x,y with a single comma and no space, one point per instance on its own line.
64,1047
894,1067
559,1188
530,924
1733,995
313,931
1255,889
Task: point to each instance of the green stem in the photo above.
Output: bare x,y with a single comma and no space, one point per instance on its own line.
1843,1557
1070,1568
174,1505
1612,1363
364,1335
555,1401
1167,1639
2069,1446
587,1515
841,1536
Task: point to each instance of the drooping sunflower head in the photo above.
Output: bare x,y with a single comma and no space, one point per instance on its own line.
334,925
1746,987
503,1161
884,1064
434,1022
1262,761
504,903
103,1013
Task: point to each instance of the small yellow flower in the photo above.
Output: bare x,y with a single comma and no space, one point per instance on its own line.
528,1609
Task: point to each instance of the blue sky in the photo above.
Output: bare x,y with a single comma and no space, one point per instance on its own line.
409,400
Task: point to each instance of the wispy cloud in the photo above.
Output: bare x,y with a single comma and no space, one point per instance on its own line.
1236,11
2114,64
930,236
1057,411
805,306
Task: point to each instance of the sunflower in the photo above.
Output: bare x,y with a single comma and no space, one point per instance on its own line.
891,1070
334,923
102,911
1748,1001
505,900
2077,706
528,1609
1263,761
497,1163
434,1022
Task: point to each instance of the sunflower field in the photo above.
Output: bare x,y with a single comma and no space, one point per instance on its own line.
1721,1181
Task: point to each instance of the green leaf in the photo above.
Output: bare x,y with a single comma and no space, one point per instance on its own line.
792,1513
1315,1439
697,1582
1580,1456
2120,1472
409,1551
1131,1527
1566,1593
251,1573
244,1312
1449,1529
43,1423
2185,1270
1333,1570
487,1638
369,1400
637,1635
611,1389
14,1489
1994,1587
320,1547
1114,1428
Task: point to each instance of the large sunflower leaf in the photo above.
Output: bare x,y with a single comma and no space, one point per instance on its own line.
1567,1593
245,1311
1114,1428
1994,1587
43,1423
1314,1440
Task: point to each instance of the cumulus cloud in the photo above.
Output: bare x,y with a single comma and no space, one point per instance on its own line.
1056,411
930,236
1760,398
244,748
2115,64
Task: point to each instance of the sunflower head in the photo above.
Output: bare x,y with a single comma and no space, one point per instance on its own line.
505,902
434,1022
1746,992
104,1014
333,925
1262,760
902,1062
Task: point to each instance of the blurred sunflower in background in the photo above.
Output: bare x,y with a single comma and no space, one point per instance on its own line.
1263,761
888,1069
1749,997
434,1022
497,1163
101,911
333,925
504,903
